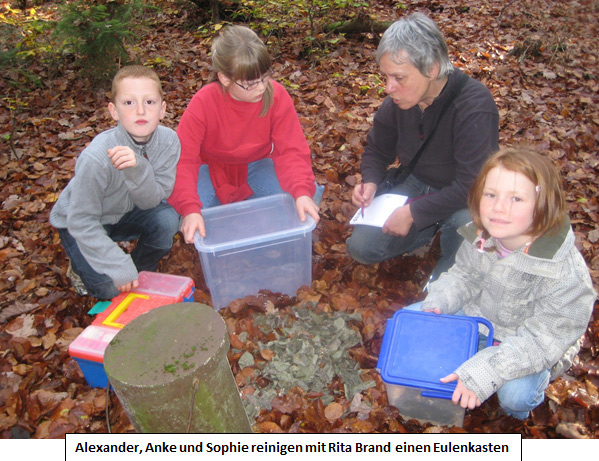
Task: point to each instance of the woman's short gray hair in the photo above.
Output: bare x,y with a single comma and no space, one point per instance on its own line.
419,37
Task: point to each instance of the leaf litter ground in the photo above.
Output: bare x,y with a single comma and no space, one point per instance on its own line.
539,61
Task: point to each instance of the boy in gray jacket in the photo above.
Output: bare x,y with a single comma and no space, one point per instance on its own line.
119,190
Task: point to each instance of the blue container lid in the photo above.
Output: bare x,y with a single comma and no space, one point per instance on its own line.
420,348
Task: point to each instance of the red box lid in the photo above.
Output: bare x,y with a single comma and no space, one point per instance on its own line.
92,342
127,306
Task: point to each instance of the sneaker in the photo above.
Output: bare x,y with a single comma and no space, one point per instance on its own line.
76,281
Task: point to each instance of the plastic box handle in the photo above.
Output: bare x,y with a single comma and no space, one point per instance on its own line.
489,325
110,320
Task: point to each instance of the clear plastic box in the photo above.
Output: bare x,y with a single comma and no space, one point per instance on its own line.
254,245
420,348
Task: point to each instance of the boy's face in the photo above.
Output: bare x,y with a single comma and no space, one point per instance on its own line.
139,107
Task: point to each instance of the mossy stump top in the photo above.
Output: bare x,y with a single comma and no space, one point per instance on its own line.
166,344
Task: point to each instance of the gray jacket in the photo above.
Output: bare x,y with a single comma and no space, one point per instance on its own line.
539,303
99,194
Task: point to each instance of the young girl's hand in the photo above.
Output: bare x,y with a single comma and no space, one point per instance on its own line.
305,205
191,223
462,395
122,157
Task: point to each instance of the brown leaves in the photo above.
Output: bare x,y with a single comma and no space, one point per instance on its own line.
548,98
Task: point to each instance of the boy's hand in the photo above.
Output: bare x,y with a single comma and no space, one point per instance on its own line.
305,205
191,223
128,286
462,395
434,310
122,157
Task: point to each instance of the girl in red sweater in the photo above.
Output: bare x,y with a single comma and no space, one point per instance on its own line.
241,137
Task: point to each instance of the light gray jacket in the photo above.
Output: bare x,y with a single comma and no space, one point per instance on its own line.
539,303
100,194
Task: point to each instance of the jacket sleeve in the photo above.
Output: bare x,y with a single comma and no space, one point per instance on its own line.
460,284
291,153
380,150
561,314
86,190
191,129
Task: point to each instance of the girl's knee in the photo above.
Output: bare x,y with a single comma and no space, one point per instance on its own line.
518,397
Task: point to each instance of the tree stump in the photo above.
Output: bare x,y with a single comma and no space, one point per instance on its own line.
170,371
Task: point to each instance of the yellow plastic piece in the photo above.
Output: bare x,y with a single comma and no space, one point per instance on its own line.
110,320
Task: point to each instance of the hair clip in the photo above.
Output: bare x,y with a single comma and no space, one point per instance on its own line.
481,245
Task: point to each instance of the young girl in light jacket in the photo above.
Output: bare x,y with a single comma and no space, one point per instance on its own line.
519,268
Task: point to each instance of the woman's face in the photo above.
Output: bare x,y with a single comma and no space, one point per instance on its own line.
507,207
406,85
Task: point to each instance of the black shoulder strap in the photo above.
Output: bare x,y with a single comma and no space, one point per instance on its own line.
405,172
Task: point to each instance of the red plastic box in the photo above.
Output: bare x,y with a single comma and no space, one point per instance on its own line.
155,290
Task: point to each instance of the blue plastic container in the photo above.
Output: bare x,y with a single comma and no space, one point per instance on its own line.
420,348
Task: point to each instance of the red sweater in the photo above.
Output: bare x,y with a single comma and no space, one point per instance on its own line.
227,134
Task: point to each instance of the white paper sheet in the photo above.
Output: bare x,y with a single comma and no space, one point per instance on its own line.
379,210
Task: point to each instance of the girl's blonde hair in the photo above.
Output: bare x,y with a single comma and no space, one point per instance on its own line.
239,54
550,208
135,71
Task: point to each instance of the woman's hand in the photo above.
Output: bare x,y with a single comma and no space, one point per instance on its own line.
400,222
305,205
363,194
191,223
462,395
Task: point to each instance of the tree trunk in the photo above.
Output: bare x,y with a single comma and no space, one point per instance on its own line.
170,371
214,10
360,24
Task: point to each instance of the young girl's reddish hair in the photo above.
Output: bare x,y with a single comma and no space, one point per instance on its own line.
550,208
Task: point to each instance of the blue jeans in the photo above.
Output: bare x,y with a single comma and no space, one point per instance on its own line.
154,230
518,396
262,179
369,245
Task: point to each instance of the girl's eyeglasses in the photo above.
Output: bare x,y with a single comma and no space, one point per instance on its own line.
249,86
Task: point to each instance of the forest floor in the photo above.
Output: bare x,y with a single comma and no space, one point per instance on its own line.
539,59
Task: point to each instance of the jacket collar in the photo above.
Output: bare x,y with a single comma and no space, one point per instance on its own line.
124,138
545,247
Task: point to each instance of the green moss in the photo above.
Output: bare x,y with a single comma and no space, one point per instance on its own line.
170,368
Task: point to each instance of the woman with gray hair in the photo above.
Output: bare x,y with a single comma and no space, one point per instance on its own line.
441,126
